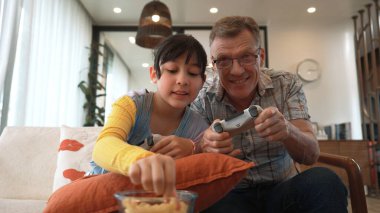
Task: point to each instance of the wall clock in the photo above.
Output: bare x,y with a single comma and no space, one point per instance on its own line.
308,70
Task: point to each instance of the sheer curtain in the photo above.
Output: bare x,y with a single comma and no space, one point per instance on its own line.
10,12
10,16
51,59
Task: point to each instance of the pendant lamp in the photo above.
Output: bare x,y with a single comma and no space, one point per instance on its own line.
155,24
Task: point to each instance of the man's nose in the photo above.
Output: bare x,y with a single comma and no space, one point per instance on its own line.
236,68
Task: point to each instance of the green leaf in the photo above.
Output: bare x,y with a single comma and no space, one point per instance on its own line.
84,90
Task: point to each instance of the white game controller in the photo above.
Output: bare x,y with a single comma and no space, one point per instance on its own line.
238,120
149,142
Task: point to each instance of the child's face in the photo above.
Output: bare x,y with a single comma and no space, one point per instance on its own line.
179,83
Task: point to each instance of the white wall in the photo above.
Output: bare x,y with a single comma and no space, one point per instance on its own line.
334,97
140,80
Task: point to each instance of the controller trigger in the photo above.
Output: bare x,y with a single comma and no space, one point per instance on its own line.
217,127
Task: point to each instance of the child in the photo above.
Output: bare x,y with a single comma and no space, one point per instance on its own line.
179,72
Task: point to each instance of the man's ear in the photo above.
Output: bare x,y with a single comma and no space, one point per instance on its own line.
153,74
262,57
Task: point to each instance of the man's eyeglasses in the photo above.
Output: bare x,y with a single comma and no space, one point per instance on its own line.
245,60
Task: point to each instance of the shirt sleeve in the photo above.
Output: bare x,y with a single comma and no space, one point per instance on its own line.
199,105
296,103
111,152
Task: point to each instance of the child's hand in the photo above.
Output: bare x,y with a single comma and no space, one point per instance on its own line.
174,146
155,173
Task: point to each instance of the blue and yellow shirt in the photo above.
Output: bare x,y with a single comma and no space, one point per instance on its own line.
127,126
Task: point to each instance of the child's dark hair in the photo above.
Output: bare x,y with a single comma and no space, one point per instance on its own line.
176,45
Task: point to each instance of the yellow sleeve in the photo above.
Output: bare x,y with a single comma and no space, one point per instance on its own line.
111,152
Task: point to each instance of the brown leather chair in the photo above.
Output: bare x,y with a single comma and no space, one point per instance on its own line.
355,181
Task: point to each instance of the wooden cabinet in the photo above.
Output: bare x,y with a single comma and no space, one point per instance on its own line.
356,149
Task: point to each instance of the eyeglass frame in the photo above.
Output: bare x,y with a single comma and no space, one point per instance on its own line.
256,56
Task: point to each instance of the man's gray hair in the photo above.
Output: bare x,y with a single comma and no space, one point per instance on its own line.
231,26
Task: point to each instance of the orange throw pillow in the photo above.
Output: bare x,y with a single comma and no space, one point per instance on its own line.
210,175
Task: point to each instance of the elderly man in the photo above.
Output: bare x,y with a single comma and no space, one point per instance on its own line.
280,136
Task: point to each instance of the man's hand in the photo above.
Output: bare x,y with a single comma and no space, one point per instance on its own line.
218,142
176,147
296,135
155,173
272,125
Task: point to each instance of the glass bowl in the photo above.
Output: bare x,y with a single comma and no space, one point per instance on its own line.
140,201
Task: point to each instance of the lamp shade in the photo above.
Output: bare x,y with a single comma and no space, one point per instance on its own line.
155,24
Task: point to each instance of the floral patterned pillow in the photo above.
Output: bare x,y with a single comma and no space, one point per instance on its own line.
74,153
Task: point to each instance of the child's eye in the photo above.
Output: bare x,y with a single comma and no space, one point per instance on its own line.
194,74
172,71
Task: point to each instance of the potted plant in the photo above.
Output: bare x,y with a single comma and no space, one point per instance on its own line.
94,88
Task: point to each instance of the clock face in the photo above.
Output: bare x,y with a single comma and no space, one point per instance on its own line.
308,70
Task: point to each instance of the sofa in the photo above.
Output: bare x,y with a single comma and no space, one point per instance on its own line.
43,170
36,161
29,157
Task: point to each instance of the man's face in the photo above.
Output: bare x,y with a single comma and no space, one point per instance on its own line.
240,78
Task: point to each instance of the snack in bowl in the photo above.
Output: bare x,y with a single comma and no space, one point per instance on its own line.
139,201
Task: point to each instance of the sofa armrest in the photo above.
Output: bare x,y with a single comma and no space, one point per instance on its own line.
356,187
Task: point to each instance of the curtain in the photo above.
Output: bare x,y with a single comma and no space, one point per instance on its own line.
10,16
10,12
51,59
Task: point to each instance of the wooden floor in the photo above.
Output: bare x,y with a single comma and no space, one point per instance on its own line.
373,205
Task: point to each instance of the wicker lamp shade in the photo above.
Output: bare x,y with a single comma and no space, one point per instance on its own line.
155,24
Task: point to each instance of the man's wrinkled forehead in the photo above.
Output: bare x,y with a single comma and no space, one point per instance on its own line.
243,42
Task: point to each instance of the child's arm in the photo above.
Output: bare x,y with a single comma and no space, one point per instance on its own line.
155,172
111,152
115,155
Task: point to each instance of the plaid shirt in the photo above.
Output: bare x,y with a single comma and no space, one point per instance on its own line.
280,89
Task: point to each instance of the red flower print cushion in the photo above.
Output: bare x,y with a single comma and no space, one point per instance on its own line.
74,153
71,145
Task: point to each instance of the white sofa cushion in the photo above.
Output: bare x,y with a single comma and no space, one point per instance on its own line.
75,153
21,206
27,163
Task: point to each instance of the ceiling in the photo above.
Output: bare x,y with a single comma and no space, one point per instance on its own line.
196,12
